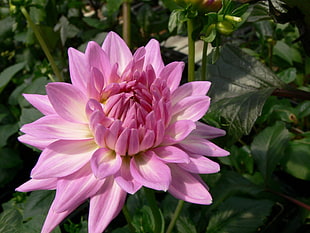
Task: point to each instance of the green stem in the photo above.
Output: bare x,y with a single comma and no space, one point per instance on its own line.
150,196
42,44
191,51
127,22
204,61
175,216
128,219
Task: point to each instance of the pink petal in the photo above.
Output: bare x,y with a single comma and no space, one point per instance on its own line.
98,59
207,131
105,162
33,184
74,189
95,84
148,140
54,127
63,158
40,143
178,130
187,187
200,164
133,142
195,88
171,154
53,218
197,145
150,171
40,102
117,51
79,69
124,178
122,142
191,108
105,206
172,73
153,56
68,101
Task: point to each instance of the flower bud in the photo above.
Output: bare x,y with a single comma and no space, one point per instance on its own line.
225,27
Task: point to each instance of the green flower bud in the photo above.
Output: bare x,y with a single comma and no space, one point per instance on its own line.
225,27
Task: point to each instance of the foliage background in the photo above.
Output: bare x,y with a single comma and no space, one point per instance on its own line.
260,95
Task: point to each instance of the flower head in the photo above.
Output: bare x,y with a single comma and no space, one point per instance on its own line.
123,123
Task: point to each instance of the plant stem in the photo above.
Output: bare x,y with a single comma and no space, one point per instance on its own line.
127,22
191,51
204,61
128,219
175,216
301,204
43,45
150,196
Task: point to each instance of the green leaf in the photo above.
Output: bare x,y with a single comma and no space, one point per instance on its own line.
113,6
185,225
239,215
240,86
38,203
286,52
67,30
268,147
288,75
298,153
10,221
7,131
7,74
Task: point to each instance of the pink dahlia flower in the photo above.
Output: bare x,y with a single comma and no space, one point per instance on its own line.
123,123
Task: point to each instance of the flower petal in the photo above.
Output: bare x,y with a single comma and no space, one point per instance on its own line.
187,187
40,143
150,171
153,56
98,59
197,145
172,73
200,164
117,51
79,69
34,184
178,130
105,205
53,218
54,127
68,101
171,154
191,108
40,102
194,88
75,189
207,131
63,158
105,162
124,178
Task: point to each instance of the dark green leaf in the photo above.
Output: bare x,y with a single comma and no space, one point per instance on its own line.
7,74
10,221
113,5
240,86
184,225
288,75
268,147
7,131
38,203
239,215
298,153
286,52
